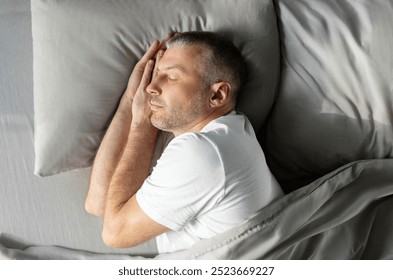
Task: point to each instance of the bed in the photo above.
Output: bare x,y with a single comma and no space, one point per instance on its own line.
320,99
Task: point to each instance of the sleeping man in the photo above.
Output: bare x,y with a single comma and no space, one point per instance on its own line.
211,177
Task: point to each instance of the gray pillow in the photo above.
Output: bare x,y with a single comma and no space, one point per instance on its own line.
84,52
335,103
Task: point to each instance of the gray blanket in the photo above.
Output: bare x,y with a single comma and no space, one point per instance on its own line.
346,214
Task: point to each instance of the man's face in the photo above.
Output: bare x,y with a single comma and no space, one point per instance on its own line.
179,97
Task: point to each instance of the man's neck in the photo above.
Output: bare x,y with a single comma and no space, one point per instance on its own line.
200,124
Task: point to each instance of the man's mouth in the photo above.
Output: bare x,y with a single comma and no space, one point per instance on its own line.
155,105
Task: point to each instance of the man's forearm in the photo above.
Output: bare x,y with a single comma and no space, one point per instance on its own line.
132,170
108,156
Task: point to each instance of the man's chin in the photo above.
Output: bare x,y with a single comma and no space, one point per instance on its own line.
156,122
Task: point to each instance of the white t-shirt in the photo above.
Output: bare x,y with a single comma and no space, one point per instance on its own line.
207,182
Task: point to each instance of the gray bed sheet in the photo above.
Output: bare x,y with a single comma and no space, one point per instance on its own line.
346,214
40,211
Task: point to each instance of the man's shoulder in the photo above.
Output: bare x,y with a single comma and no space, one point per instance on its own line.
232,124
193,143
188,156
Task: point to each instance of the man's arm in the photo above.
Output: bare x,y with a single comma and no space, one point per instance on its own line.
115,139
107,157
125,224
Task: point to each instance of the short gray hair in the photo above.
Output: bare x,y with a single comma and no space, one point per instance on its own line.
222,62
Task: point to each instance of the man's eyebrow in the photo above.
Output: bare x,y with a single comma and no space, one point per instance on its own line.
176,67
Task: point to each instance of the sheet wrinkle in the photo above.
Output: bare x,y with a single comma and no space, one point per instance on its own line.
258,227
279,240
293,200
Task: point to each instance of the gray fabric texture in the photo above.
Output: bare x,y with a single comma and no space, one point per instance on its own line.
36,211
346,214
84,52
335,103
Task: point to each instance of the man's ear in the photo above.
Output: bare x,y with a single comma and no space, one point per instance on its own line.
220,94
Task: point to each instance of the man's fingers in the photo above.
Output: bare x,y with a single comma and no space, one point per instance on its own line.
160,53
163,42
150,53
154,52
147,74
154,48
162,46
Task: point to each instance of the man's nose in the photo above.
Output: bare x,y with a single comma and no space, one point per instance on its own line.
153,88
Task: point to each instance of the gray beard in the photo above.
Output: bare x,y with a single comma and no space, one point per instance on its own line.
181,117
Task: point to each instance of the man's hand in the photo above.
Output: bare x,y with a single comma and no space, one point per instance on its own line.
137,73
141,109
140,79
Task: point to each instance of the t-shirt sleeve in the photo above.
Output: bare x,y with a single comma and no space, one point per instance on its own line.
187,181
